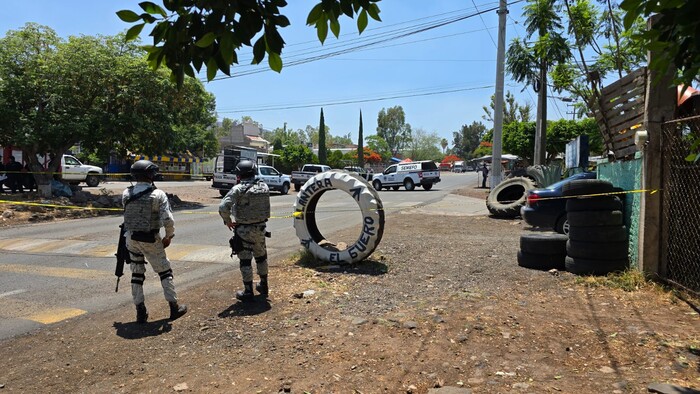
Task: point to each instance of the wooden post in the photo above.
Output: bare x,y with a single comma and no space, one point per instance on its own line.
660,107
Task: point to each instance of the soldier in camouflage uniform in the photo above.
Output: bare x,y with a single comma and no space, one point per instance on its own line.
249,203
146,210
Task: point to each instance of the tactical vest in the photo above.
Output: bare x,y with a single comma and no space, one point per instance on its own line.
139,214
253,203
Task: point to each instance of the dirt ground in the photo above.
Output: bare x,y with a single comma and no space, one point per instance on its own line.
441,303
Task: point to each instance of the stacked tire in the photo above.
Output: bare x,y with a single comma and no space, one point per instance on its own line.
506,199
542,250
598,239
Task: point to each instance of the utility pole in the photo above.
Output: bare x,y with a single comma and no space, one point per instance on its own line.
541,127
498,100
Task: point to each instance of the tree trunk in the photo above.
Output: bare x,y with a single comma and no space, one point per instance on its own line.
541,128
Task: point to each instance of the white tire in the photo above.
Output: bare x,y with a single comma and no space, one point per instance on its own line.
367,199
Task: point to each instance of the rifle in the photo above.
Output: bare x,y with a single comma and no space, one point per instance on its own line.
122,255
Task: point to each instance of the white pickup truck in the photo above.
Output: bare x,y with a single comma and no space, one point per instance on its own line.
73,171
307,172
409,175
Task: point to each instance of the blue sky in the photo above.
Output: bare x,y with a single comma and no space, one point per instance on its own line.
412,71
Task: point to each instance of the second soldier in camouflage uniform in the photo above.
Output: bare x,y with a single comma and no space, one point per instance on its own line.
249,203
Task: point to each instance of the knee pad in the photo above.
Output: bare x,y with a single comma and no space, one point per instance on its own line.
166,275
137,279
246,263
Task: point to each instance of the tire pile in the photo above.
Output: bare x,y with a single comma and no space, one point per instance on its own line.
598,240
597,243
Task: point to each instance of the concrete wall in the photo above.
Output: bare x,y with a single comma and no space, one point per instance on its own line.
627,175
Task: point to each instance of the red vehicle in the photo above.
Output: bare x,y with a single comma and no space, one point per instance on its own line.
445,166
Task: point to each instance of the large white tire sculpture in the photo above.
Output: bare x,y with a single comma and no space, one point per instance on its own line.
367,199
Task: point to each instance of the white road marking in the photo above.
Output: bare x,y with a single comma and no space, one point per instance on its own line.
13,292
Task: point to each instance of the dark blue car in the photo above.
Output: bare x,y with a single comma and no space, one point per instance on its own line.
542,210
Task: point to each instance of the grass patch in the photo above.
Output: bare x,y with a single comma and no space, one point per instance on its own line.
629,280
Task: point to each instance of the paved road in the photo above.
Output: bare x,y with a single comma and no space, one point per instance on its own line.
50,272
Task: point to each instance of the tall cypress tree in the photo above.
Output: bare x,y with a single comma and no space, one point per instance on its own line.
322,140
360,147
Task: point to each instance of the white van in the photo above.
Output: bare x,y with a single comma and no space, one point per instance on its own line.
409,175
459,167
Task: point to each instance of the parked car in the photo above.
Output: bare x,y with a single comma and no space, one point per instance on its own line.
307,172
73,171
542,209
360,171
409,175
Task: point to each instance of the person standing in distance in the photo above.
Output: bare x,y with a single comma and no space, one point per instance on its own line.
146,210
484,174
249,203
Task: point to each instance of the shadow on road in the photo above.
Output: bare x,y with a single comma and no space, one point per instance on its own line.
259,305
133,330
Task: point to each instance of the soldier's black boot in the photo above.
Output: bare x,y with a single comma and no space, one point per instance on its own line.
176,310
261,287
141,313
247,293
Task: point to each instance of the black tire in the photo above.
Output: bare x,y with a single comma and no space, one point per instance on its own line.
595,218
597,251
408,184
393,188
598,234
543,243
506,199
602,203
581,187
428,186
541,261
285,188
223,192
594,267
377,184
92,180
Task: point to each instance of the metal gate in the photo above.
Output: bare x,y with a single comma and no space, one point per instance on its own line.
681,203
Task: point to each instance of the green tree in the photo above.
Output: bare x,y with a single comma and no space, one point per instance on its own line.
97,91
530,63
335,159
392,127
444,144
322,140
296,155
467,139
360,145
188,35
518,137
512,110
378,145
423,146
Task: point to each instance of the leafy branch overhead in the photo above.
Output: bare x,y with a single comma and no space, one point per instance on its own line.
188,34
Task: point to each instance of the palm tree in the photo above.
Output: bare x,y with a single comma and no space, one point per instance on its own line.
443,143
529,62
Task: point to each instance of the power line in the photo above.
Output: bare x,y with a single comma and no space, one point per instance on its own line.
487,29
344,102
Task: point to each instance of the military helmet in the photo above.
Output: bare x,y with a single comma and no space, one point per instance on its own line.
246,168
144,170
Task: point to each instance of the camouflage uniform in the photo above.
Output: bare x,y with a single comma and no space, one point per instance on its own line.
249,203
148,214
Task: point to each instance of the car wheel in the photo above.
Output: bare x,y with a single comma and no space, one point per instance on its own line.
408,184
506,199
285,188
377,184
92,180
428,186
562,225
